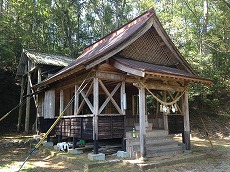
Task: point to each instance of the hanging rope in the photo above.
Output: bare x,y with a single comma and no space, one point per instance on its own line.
159,100
56,121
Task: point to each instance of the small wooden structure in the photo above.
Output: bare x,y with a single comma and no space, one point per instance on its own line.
32,69
132,78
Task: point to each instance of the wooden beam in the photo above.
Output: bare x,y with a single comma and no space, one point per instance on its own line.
185,111
76,100
109,98
123,98
61,108
74,80
129,69
106,75
20,107
59,77
95,113
165,117
159,86
39,75
27,118
142,120
180,78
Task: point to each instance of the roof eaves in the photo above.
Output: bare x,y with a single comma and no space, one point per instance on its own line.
55,78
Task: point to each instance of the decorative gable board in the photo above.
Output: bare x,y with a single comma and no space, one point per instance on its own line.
150,48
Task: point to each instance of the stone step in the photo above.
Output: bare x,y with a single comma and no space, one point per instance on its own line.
157,154
161,143
152,133
150,140
155,133
157,146
163,148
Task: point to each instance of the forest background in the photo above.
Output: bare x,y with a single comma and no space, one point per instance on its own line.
199,28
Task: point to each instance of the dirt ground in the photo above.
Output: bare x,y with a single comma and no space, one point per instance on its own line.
15,149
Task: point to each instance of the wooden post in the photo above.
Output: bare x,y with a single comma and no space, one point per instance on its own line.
39,75
95,113
185,110
59,138
27,119
39,79
20,107
76,100
165,117
75,142
142,120
123,108
123,98
61,102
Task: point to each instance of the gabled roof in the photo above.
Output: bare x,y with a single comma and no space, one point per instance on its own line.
41,59
122,40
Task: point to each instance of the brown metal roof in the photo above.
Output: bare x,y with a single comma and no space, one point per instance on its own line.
159,69
106,45
119,40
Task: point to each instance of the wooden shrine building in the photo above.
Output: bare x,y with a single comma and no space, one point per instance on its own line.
132,78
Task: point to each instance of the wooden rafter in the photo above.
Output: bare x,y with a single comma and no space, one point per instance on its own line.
110,97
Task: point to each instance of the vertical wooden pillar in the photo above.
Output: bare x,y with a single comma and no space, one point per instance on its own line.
142,120
123,108
20,107
75,142
39,75
185,111
39,79
76,100
61,102
95,113
27,118
123,98
165,117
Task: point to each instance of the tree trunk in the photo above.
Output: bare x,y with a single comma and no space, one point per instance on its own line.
1,6
204,28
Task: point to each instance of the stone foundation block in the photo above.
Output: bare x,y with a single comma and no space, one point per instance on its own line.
48,144
122,154
75,151
56,148
96,157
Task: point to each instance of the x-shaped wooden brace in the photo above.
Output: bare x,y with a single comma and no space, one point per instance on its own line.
110,97
85,96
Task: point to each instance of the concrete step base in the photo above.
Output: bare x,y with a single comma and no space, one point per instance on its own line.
151,155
